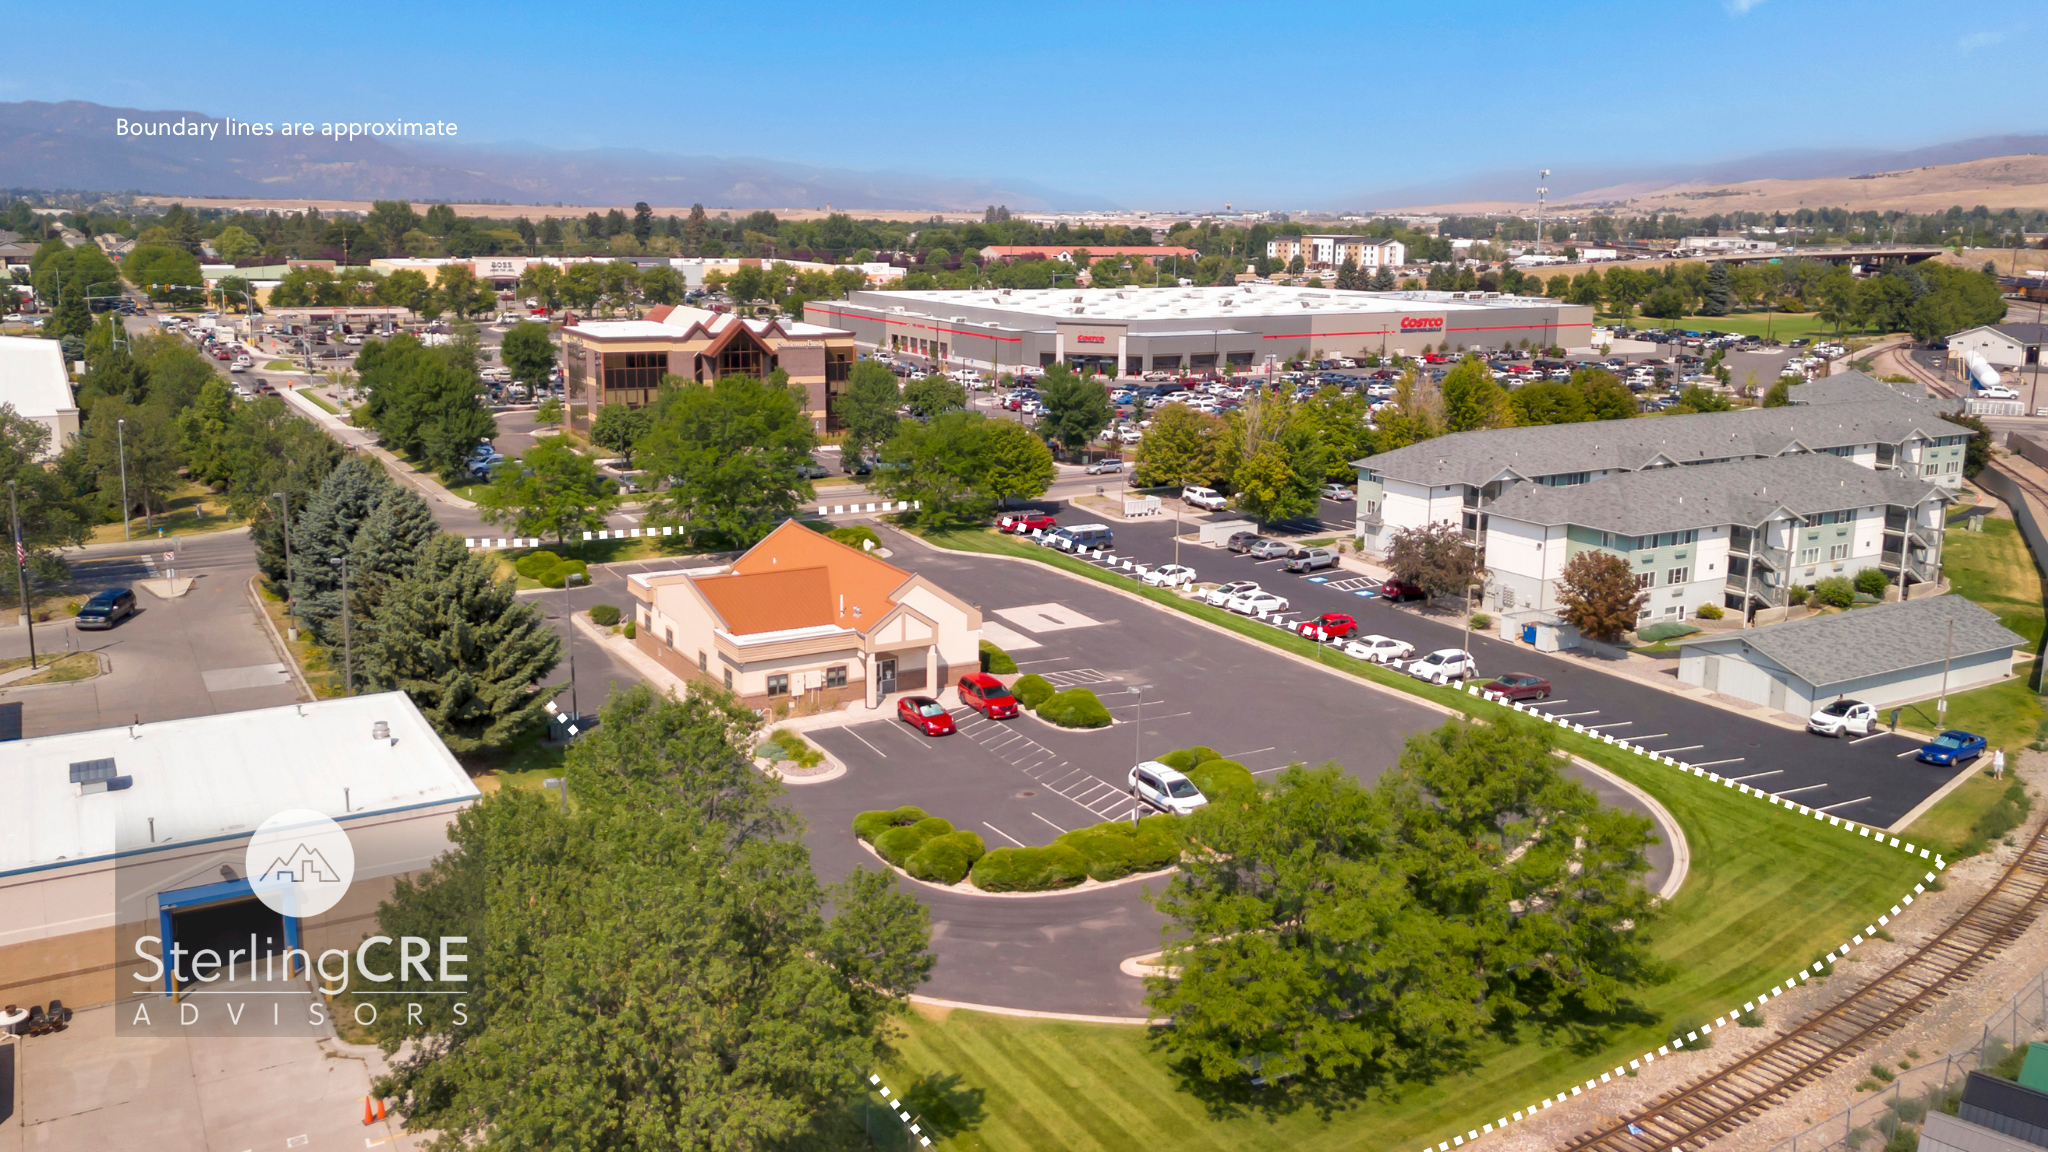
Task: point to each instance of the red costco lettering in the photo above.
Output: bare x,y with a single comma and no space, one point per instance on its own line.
1421,323
1090,339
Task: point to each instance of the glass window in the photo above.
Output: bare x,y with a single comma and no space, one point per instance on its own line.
636,370
928,708
728,679
1644,579
1678,575
835,676
1809,555
778,685
669,637
703,661
1839,552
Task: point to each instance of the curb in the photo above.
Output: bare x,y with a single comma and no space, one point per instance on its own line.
1089,885
277,641
1029,1014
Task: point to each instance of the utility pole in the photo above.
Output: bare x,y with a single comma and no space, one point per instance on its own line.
348,651
285,530
121,441
1541,192
28,618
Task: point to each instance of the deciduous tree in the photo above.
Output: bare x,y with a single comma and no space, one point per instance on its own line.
1180,448
1076,407
868,410
1472,398
1434,557
550,490
1599,596
529,353
733,455
927,396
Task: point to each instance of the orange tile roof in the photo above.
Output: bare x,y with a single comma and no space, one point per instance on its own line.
659,312
798,578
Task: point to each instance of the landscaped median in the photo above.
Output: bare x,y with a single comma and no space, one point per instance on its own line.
928,848
1769,891
1073,708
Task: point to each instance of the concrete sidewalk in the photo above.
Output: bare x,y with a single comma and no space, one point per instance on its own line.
356,438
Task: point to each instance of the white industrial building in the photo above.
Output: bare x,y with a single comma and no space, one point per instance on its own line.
34,383
122,833
1883,655
2004,346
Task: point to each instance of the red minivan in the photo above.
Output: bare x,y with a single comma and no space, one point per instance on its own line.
987,695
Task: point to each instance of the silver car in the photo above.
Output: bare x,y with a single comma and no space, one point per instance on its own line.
1311,559
1271,550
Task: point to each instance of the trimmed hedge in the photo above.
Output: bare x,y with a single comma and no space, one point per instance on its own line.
995,661
604,615
1031,689
550,570
1221,778
899,844
1668,630
1030,869
855,536
1074,708
946,859
869,825
1871,581
629,630
1182,759
1117,849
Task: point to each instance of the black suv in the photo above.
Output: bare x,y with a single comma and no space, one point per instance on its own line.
106,609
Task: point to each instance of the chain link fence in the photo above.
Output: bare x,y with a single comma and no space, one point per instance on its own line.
1890,1117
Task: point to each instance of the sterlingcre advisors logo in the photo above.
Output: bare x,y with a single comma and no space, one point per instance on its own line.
269,958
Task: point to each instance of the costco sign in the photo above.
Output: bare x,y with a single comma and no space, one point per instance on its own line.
1078,339
1422,323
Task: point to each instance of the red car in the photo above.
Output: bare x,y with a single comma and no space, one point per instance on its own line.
987,695
1023,522
926,715
1396,591
1332,625
1520,686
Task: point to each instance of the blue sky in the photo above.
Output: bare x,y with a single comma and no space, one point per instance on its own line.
1277,105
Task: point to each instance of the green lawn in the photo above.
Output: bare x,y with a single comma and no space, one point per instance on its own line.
192,509
281,366
1994,569
2007,714
1781,326
1769,892
1949,823
322,401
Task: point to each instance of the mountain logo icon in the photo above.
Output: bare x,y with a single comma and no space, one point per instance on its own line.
305,865
300,863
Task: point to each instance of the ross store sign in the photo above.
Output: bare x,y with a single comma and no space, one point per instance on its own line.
1090,339
1422,323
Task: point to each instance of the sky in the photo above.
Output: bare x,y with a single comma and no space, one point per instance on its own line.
1279,105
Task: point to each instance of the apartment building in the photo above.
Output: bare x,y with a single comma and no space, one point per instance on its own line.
1736,534
1332,251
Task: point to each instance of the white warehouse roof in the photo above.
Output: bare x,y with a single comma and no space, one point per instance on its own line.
1164,303
223,775
32,377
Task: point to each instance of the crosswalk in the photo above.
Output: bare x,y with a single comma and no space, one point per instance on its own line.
1077,677
1008,740
1356,584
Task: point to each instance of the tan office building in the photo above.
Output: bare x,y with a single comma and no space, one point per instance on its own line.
623,361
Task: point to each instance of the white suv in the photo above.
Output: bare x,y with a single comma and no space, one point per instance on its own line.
1444,665
1844,717
1165,789
1201,497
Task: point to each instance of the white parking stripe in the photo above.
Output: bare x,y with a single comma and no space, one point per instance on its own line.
871,747
1758,775
1712,763
1610,724
1796,791
1003,834
1906,753
1680,748
1569,715
1843,804
1872,736
1050,824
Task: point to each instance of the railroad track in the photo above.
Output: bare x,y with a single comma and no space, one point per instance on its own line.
1717,1104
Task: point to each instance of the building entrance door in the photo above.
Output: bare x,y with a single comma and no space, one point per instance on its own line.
885,674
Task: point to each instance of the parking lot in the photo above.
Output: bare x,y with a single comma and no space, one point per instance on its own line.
1022,782
1873,780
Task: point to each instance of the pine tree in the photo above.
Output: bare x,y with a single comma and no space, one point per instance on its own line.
387,547
1383,280
463,647
325,530
1718,298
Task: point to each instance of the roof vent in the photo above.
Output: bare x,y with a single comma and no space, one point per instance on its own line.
381,730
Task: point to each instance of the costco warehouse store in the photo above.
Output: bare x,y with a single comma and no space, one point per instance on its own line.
1133,330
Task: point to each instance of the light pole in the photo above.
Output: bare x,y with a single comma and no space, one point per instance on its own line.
568,617
348,651
1948,651
121,440
1138,725
28,618
285,530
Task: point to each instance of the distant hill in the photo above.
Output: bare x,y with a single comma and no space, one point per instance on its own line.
73,145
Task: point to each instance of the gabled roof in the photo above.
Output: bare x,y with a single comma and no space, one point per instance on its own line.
798,578
1874,641
1744,492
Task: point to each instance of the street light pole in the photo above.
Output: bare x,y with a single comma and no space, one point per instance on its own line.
1947,652
121,440
569,615
285,530
348,651
28,618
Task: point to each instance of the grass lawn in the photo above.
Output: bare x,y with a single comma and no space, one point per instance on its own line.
63,669
522,766
1949,822
1992,568
600,552
2007,714
282,366
192,509
1782,326
322,401
1769,892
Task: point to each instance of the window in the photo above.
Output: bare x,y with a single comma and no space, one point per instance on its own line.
703,661
1953,467
669,637
1838,552
835,676
1645,579
1678,575
728,679
639,370
1809,555
778,685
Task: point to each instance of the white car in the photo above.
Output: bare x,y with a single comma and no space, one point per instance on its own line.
1378,649
1201,497
1253,603
1221,595
1129,435
1844,717
1337,492
1165,789
1996,392
1444,665
1171,576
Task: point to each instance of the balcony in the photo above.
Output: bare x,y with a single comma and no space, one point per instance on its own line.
1768,595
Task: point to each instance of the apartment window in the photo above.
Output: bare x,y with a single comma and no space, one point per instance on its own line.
728,679
1645,579
835,676
778,685
1930,469
703,661
1678,575
1952,467
669,637
642,370
1809,555
1839,552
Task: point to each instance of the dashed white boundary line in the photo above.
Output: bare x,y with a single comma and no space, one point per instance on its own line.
895,1104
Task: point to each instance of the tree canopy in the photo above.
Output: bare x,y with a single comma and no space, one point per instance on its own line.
733,454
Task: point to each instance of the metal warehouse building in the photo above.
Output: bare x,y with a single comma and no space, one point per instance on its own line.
1133,330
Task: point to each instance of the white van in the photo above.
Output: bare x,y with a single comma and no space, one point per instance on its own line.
1072,537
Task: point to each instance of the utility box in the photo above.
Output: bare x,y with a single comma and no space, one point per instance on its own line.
1220,531
1543,631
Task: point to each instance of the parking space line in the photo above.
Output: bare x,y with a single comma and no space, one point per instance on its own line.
1796,791
1906,753
1548,703
871,747
1003,834
1609,724
1872,736
1651,736
1253,752
1569,715
1712,763
1669,751
1050,824
1264,771
1758,775
1843,804
1047,660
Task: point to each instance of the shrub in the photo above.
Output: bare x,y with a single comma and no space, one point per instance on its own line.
1834,591
533,564
1030,689
1030,869
1871,581
783,744
550,570
1796,595
946,859
899,844
1702,1042
629,629
996,661
1220,778
1710,612
856,536
1481,621
1116,849
869,825
1182,759
1074,708
1668,630
604,615
558,576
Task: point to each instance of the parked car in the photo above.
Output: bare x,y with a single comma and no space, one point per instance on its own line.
925,714
1075,537
1310,559
1022,523
1996,392
1241,541
1221,595
1104,467
1338,492
987,695
1253,603
812,470
1520,686
1266,549
1170,576
1200,497
1378,649
1951,747
1444,665
1843,717
1331,626
1165,789
1396,591
106,609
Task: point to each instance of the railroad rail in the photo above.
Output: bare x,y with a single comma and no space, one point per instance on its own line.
1720,1102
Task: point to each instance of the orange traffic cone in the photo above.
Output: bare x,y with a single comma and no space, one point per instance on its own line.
367,1117
380,1107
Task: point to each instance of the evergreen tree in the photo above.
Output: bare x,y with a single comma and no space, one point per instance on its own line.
1383,280
1718,299
460,643
71,317
387,546
1347,275
327,529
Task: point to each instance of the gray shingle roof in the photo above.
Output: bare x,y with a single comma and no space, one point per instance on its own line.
1874,641
1744,492
1856,387
1477,458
